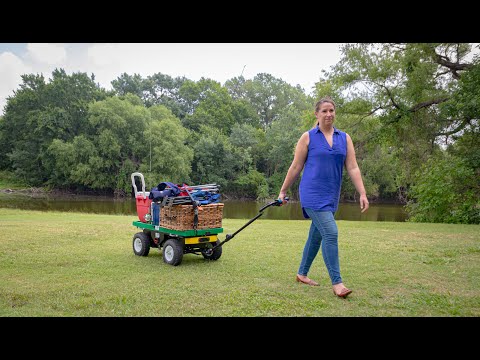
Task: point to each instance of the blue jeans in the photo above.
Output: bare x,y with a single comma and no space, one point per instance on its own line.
324,233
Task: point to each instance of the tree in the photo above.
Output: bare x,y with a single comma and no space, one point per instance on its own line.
281,139
129,84
446,190
104,157
40,112
157,89
413,90
269,95
169,158
214,160
213,107
164,90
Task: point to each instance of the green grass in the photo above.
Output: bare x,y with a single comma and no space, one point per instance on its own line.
66,264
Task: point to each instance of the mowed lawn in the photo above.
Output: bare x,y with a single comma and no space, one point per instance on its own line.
65,264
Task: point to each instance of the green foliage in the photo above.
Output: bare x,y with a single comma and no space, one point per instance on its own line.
468,95
158,89
419,94
244,113
246,145
282,138
263,191
214,160
105,155
467,147
376,159
8,180
446,190
169,158
214,111
243,136
326,87
62,160
128,84
275,182
269,96
252,185
38,114
192,93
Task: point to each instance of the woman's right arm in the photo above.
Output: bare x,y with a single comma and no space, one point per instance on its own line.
296,167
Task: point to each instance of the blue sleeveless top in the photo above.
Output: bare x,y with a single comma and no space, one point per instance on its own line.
322,173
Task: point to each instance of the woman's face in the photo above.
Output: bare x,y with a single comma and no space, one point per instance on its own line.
326,114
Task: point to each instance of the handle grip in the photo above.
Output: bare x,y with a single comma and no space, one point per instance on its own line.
279,202
144,194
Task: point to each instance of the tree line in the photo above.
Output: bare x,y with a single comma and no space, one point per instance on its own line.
412,111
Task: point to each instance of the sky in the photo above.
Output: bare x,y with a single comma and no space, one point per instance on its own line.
295,63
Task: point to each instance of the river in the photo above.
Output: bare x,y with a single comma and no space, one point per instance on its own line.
234,209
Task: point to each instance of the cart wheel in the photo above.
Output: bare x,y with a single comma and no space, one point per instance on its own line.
172,252
215,255
141,244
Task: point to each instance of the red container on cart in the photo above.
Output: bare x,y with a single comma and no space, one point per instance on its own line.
143,206
141,199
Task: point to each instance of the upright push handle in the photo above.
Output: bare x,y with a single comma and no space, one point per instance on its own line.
135,186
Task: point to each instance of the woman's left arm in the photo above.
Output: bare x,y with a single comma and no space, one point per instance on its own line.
355,174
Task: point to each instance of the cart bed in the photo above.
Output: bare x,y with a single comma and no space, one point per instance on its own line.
184,233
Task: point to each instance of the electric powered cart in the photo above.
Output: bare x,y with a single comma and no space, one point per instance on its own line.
175,243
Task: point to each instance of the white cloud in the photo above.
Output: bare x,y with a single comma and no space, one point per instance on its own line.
102,55
295,63
52,54
11,69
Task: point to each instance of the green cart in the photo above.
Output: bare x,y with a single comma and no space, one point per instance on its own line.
176,243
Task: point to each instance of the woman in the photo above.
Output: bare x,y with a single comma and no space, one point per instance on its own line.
322,152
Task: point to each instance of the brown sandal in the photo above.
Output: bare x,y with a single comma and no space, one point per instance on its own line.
308,282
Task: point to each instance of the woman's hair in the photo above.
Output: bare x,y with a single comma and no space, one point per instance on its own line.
326,99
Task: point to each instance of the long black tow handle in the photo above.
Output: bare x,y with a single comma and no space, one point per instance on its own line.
229,237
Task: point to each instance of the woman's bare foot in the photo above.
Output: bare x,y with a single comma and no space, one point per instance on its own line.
341,291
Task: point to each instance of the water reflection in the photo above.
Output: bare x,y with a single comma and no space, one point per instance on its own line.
293,211
233,209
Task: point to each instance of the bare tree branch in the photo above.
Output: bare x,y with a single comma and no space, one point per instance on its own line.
462,125
453,67
363,116
428,103
389,93
441,73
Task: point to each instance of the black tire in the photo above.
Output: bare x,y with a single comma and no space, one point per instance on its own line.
141,244
172,252
215,255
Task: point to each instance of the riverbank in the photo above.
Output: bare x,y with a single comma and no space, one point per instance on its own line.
39,192
83,265
9,184
236,209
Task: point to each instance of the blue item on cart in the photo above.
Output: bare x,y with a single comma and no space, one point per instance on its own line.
160,191
156,214
205,197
